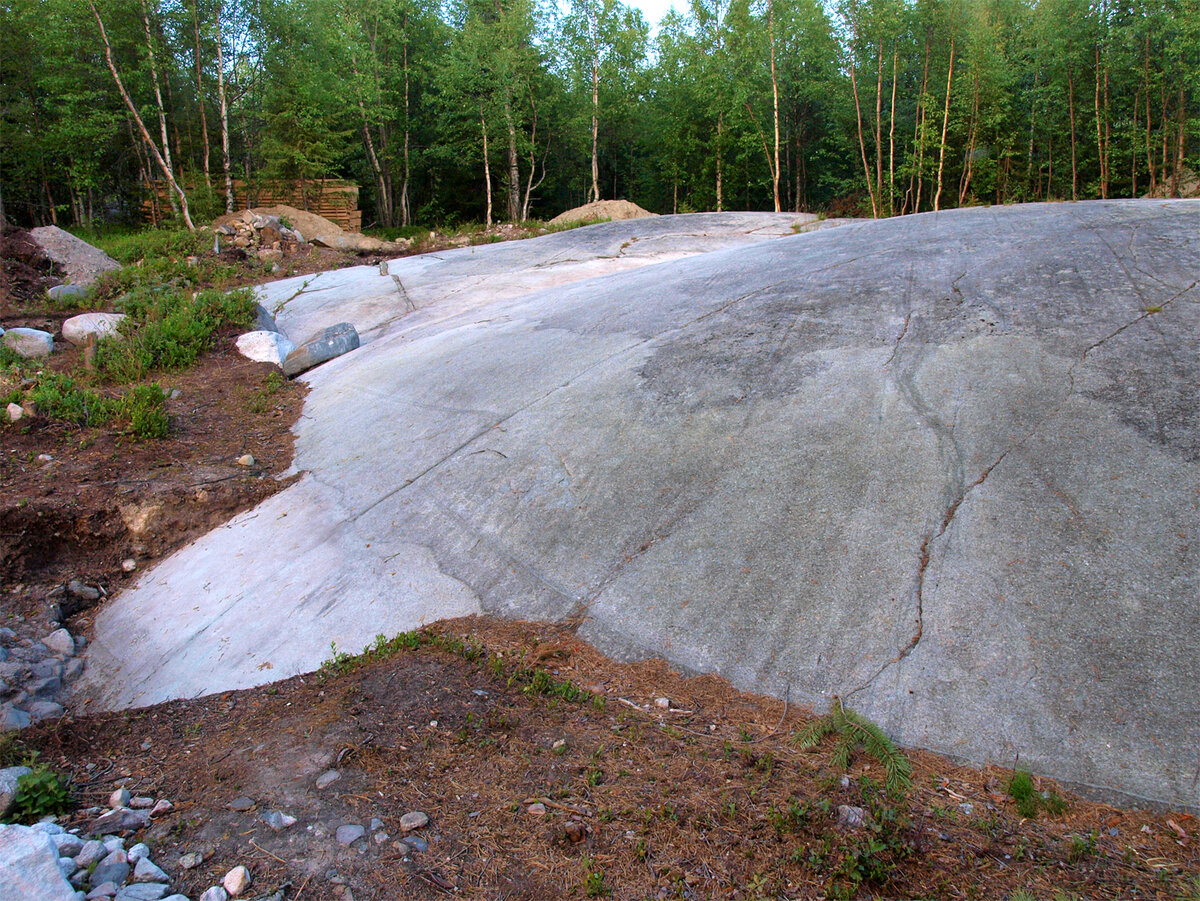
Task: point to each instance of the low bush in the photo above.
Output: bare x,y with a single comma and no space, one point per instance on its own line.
39,793
169,329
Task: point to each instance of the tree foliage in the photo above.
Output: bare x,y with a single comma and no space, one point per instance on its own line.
884,107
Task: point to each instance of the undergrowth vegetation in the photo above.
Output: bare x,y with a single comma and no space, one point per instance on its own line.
855,731
167,327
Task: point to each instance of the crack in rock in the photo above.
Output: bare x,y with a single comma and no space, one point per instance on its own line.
925,553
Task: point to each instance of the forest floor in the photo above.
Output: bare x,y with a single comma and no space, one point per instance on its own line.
545,769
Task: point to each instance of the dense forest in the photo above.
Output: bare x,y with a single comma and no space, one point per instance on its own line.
454,110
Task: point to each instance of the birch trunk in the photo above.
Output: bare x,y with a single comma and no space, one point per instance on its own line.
937,199
862,145
514,166
200,94
487,170
1071,111
720,120
162,116
775,101
405,212
224,118
158,157
892,140
595,117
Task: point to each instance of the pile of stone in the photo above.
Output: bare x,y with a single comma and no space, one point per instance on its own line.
271,233
50,863
75,258
263,236
36,675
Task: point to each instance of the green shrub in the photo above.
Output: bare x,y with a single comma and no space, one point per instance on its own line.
169,330
855,731
145,409
154,258
141,409
39,793
1029,801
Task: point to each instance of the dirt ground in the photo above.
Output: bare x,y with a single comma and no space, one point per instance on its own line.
707,797
103,498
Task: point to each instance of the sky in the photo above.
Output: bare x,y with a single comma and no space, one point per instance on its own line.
654,10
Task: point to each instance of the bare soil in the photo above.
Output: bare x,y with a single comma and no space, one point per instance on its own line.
25,272
103,498
602,209
709,799
706,798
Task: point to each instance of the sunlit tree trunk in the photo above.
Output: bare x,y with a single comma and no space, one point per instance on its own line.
720,199
225,119
158,157
862,145
775,101
200,93
937,198
1071,111
487,170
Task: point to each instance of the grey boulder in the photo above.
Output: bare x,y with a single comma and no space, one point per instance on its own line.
332,342
264,320
122,819
9,777
945,467
61,292
78,260
29,342
29,866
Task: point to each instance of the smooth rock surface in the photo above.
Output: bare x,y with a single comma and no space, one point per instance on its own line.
265,347
946,467
79,328
30,343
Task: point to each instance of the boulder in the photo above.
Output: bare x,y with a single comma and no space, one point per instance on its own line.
62,292
264,319
29,342
600,210
333,342
348,241
60,642
265,347
79,328
121,819
9,777
29,866
945,467
77,259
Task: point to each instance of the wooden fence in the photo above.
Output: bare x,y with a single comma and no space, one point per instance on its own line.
335,199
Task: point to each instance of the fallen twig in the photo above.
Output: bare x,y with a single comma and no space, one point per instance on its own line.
580,811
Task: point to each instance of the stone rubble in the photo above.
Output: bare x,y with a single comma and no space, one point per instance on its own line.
35,675
50,863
